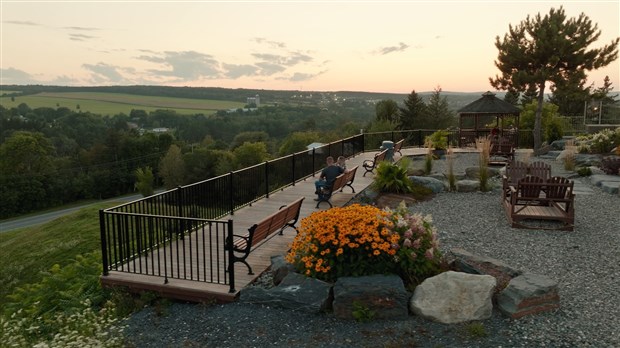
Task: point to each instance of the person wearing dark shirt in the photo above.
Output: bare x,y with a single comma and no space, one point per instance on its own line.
328,175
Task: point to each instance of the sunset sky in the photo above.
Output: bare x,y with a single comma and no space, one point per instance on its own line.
376,46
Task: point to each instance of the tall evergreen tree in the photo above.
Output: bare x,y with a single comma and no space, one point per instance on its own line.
570,97
550,48
413,114
439,114
387,110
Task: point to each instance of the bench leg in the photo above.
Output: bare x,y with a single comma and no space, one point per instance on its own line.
248,266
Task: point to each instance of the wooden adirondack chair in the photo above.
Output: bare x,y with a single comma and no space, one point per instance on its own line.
515,171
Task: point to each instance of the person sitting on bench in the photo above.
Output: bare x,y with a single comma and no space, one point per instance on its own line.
328,175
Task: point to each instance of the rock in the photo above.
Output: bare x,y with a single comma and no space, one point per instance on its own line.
296,292
529,294
392,200
586,160
280,268
383,296
434,184
543,150
467,185
464,261
415,172
474,172
454,297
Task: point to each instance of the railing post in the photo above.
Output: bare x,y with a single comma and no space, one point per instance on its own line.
293,170
420,142
267,179
104,242
313,161
231,199
231,257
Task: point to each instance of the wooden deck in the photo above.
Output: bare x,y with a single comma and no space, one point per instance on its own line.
260,258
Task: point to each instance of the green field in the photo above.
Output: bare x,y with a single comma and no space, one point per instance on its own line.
116,103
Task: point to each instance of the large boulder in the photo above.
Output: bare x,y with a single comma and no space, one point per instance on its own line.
467,185
296,292
454,297
434,184
382,296
464,261
529,294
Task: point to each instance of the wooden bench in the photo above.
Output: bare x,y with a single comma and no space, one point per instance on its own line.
342,180
370,165
398,146
534,198
241,245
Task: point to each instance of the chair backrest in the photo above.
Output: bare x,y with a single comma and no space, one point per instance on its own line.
557,187
516,170
540,169
530,186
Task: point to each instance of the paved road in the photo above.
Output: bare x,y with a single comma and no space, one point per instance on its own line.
33,220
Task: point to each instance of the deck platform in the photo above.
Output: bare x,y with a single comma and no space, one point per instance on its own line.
260,258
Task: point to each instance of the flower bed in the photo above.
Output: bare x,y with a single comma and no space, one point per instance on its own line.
360,240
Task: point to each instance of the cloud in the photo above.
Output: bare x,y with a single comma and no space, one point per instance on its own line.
188,65
80,37
104,73
14,76
272,44
22,23
268,69
82,28
234,71
386,50
65,80
298,76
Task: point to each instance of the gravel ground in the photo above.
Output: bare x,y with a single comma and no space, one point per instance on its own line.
585,262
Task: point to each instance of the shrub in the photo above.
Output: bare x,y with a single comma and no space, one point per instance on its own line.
418,256
584,171
392,177
439,139
364,240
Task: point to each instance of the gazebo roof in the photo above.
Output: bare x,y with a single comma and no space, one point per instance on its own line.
489,104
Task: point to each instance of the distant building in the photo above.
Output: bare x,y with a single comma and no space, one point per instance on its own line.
254,100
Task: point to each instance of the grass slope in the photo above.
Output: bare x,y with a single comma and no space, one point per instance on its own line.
115,103
24,253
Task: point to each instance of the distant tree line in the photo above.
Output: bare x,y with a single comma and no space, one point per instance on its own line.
50,157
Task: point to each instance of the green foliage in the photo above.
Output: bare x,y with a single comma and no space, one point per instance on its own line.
297,141
387,110
554,130
528,115
249,154
439,139
392,177
362,313
428,163
67,305
145,181
476,330
439,113
550,48
413,114
172,168
584,171
28,253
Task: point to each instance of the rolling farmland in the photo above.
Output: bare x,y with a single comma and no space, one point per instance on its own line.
115,103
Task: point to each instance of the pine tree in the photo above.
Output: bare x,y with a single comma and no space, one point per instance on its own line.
413,114
550,48
439,114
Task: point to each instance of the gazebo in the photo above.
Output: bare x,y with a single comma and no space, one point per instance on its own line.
489,115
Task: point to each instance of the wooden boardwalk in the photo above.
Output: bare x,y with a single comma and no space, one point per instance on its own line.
260,258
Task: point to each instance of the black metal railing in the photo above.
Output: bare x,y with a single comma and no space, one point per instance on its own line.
156,235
